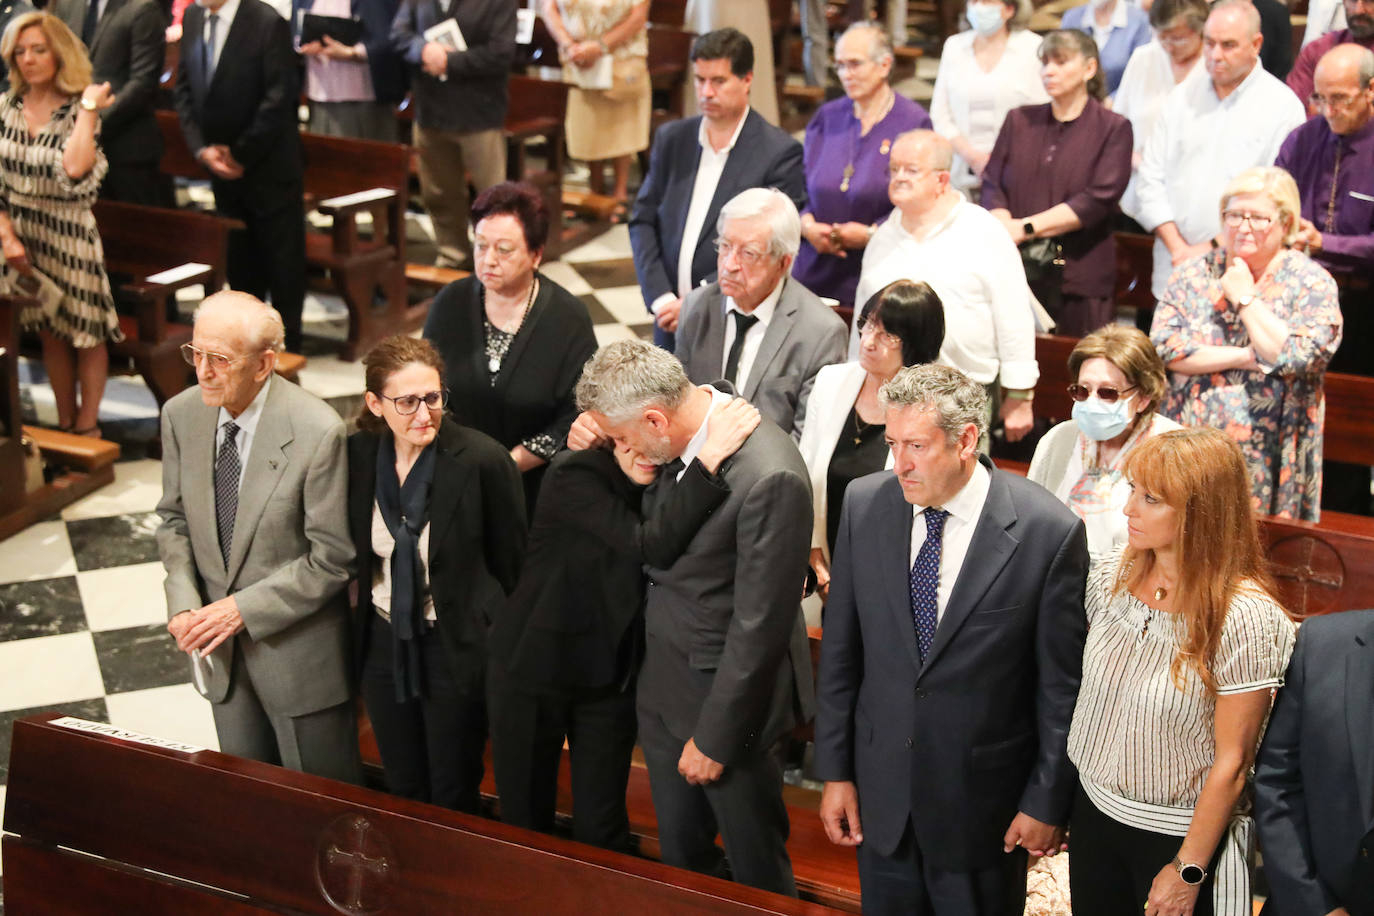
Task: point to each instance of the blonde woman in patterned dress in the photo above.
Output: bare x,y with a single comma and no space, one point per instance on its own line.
605,124
50,171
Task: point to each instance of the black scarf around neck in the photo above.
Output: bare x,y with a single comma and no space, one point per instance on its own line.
405,510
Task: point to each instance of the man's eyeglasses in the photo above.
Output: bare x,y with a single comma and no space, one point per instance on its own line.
907,171
407,404
1317,100
1106,394
750,257
869,328
194,356
1258,221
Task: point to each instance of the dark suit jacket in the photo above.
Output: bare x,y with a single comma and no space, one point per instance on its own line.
250,105
474,97
764,156
803,336
476,539
126,51
383,62
1314,777
533,393
582,586
726,660
979,732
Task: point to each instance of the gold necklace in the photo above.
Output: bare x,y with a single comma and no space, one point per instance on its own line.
853,153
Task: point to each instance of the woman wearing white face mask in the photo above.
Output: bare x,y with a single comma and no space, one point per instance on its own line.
1118,382
984,73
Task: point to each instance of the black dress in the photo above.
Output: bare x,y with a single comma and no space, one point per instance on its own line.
529,399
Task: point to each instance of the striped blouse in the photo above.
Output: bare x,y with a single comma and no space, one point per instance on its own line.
1134,734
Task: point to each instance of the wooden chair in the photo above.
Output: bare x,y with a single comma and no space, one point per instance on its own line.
538,110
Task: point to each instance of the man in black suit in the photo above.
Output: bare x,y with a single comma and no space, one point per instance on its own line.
950,663
726,672
694,170
125,39
236,94
1314,776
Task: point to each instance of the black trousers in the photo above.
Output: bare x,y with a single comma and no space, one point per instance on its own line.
431,747
1112,865
138,183
527,731
1345,487
745,806
267,258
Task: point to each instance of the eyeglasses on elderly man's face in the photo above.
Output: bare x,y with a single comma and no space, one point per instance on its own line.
748,255
194,356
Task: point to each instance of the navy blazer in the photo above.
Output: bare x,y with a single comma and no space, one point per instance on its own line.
980,731
764,156
388,69
1314,776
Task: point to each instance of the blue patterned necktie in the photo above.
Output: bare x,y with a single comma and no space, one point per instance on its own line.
925,580
227,488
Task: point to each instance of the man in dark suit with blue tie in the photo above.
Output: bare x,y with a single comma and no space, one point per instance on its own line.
236,94
1314,776
950,664
696,165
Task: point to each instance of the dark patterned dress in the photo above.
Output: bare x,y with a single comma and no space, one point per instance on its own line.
1277,413
52,216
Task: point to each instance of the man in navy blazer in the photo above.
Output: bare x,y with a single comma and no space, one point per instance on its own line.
694,170
950,663
1314,776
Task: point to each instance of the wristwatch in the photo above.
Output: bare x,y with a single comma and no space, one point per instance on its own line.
1028,228
1189,873
88,104
1245,300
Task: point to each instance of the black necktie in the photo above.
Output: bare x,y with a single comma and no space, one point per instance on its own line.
227,489
88,25
743,323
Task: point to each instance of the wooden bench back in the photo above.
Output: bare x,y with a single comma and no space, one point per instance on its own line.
142,240
668,12
177,159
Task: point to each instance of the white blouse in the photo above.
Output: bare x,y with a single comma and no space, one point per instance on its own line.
383,545
1146,82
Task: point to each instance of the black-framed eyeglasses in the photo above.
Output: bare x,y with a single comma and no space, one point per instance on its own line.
194,356
1259,222
407,404
1106,394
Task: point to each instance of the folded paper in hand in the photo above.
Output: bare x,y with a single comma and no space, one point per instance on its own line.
597,76
447,34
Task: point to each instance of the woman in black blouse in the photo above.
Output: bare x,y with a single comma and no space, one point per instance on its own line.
514,341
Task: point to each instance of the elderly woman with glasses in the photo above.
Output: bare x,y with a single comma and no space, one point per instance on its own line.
1246,332
846,159
437,518
1118,380
513,340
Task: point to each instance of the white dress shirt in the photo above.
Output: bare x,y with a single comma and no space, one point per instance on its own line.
971,263
225,19
698,440
1145,84
247,422
964,509
1200,143
1100,33
752,337
971,102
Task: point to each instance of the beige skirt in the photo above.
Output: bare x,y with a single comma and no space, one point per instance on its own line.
604,124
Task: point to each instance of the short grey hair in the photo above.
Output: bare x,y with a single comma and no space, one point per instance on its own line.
623,378
784,238
262,325
939,151
1245,8
954,398
879,44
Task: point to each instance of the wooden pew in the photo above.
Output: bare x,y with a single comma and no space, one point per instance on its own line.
538,110
97,816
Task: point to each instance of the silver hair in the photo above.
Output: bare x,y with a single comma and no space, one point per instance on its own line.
262,325
939,151
954,398
623,378
879,44
784,237
1245,8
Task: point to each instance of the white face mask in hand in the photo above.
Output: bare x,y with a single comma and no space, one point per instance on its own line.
985,18
1101,421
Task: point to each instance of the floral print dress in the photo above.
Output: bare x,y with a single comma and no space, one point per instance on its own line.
1275,414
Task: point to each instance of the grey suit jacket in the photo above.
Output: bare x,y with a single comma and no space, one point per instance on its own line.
291,554
803,336
726,659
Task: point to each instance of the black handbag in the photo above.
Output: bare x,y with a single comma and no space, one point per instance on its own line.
1043,260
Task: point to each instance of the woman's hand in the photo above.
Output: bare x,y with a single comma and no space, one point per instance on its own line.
585,53
1170,895
822,569
16,255
312,49
818,234
978,160
1237,282
726,431
100,94
335,50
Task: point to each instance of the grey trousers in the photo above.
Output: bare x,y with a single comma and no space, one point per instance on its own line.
447,160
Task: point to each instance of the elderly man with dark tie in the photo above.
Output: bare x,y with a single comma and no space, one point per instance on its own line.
1331,157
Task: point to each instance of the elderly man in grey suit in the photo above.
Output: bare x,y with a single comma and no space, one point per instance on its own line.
756,327
726,673
254,538
950,664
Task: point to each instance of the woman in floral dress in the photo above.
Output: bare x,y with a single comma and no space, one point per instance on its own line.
1246,332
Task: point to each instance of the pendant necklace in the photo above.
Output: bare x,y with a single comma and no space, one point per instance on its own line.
848,172
494,362
859,427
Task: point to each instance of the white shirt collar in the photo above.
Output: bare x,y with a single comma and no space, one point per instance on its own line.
967,504
698,439
705,142
1254,76
1119,20
764,310
247,421
934,230
226,17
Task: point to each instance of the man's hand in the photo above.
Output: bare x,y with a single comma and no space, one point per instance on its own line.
696,767
853,235
1187,252
667,315
312,48
179,624
434,59
1036,837
585,433
220,162
822,569
335,50
840,814
1018,416
209,626
1309,238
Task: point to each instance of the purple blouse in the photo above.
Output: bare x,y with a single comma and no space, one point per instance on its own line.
833,142
1039,162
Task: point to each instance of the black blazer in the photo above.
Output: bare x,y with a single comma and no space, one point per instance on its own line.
127,51
476,539
250,105
533,393
763,157
383,62
980,731
1314,776
582,586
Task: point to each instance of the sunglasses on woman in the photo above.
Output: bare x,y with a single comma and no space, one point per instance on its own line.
1105,394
